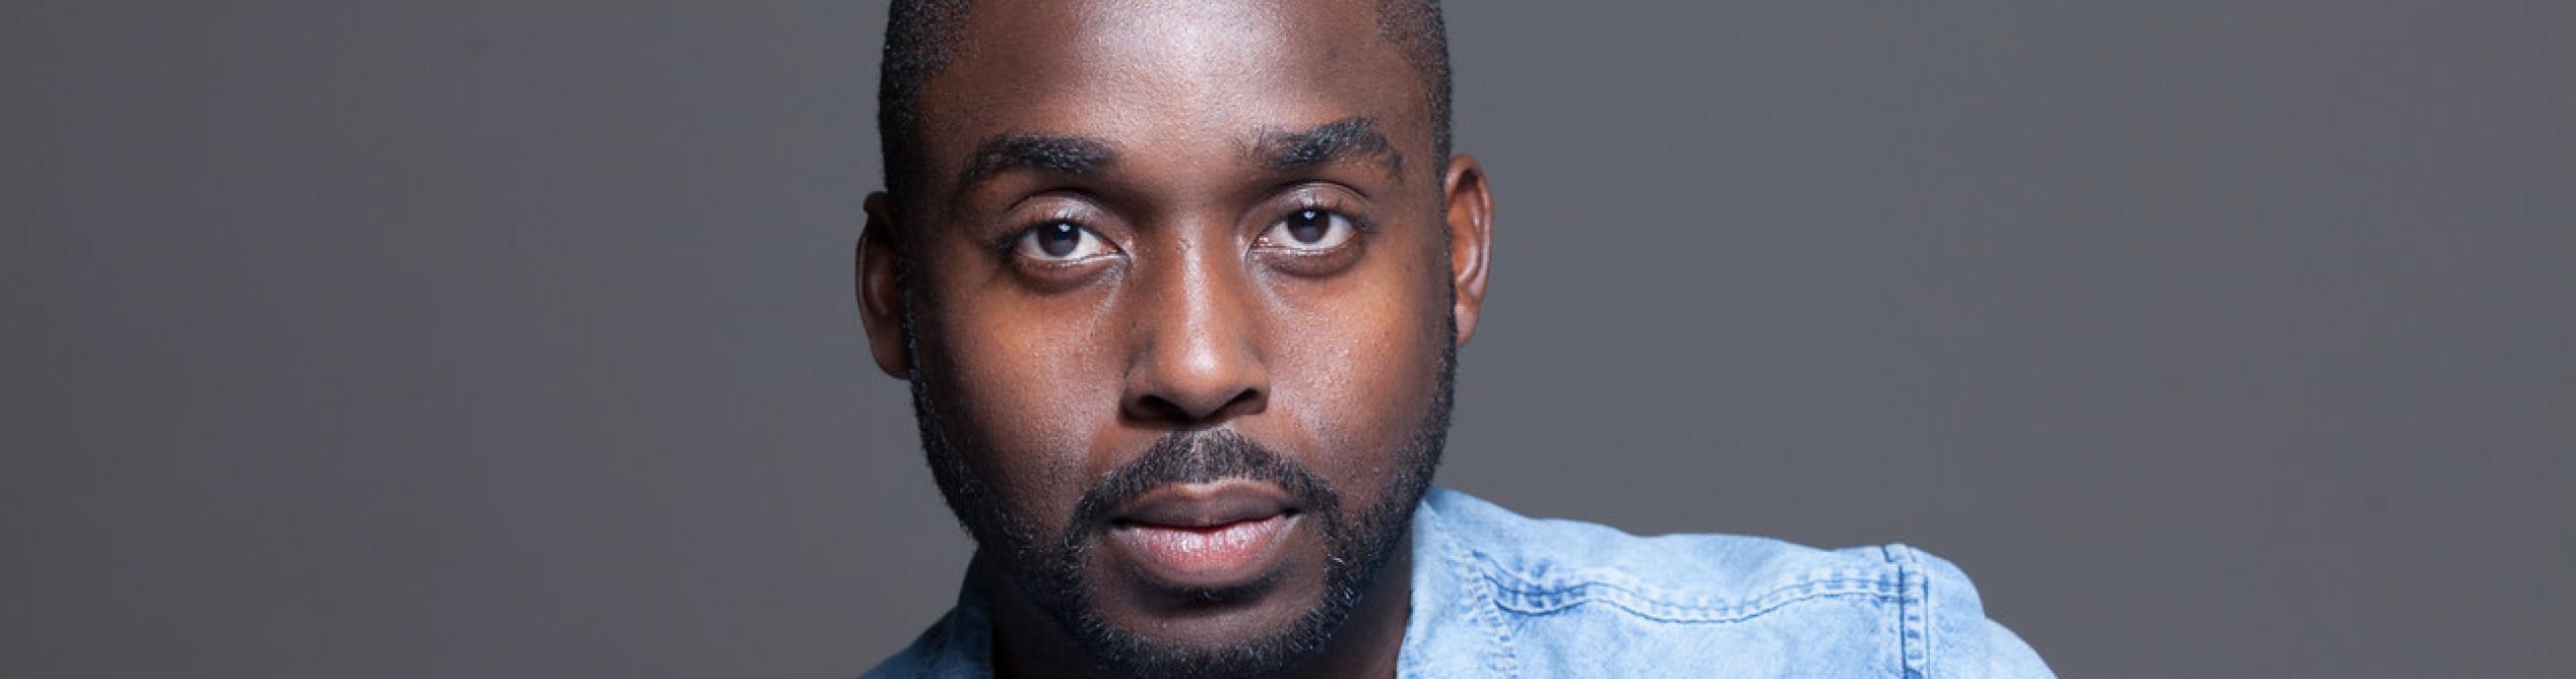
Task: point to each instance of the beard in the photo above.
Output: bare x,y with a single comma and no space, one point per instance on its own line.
1047,569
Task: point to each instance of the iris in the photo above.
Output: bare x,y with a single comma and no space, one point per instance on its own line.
1059,239
1310,226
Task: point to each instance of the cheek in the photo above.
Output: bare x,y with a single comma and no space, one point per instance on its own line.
1032,388
1356,371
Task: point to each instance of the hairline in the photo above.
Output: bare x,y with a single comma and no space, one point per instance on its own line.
923,36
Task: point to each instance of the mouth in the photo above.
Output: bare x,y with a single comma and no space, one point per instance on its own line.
1203,536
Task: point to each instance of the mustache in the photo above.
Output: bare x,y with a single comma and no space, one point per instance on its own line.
1200,457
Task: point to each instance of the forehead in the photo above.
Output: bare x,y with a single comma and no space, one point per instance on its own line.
1165,75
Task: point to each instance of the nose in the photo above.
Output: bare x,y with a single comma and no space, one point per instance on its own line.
1198,350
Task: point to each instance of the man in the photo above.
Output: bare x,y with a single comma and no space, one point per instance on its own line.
1178,286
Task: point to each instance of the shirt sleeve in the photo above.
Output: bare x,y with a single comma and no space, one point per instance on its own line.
1960,641
2000,653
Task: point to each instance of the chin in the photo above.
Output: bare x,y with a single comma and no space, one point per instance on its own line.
1234,643
1148,628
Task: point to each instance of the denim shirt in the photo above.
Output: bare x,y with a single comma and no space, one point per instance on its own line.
1496,594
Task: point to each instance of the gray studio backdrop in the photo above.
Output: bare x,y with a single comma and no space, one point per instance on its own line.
515,339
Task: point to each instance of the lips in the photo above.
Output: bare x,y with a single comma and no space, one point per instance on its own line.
1205,535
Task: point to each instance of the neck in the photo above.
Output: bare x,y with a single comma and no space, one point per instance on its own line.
1028,643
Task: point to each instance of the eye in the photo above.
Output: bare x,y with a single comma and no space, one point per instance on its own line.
1309,229
1059,241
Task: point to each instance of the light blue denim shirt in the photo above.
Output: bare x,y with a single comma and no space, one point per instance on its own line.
1496,594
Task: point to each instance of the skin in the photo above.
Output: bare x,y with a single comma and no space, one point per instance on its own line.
1195,308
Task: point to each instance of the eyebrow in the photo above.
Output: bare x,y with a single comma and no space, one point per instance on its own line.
1062,154
1338,141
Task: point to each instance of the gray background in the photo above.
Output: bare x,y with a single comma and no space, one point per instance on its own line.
514,339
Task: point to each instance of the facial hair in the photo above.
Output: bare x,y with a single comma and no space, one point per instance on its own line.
1048,569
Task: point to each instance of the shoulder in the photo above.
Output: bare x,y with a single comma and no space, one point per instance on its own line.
958,646
1569,598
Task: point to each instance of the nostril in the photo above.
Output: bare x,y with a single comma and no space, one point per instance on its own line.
1182,408
1246,402
1155,407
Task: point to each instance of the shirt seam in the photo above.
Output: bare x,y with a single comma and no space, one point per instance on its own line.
1915,640
1525,595
1505,661
1559,599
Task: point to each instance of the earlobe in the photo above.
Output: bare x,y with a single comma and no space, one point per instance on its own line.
880,290
1470,216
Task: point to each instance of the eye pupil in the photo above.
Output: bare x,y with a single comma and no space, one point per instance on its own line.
1059,239
1309,226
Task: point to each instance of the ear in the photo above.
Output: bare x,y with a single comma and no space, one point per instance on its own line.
880,288
1470,214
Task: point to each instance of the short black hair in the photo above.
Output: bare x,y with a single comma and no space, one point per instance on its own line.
922,35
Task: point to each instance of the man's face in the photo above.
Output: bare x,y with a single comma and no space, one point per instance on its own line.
1179,309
